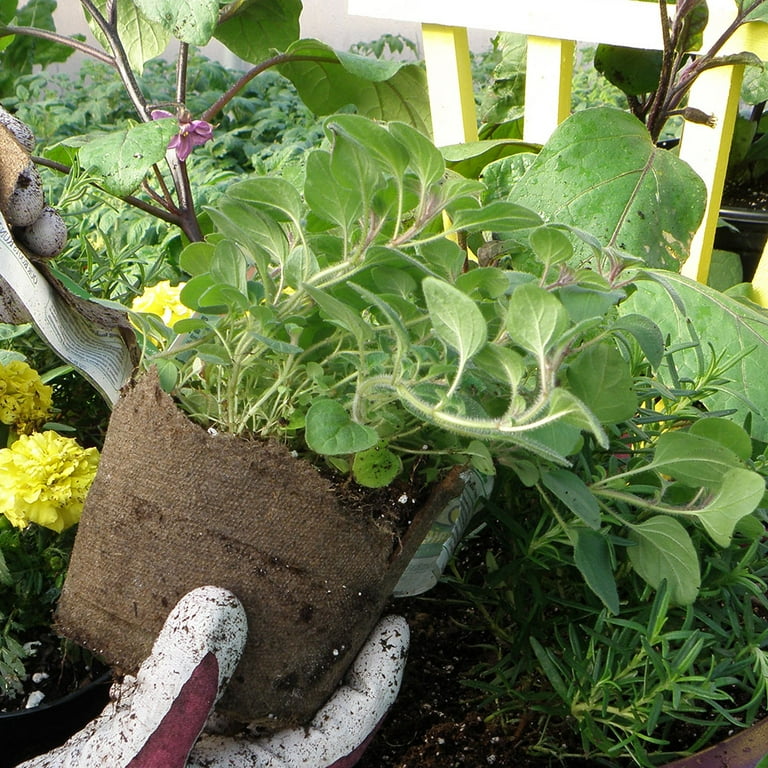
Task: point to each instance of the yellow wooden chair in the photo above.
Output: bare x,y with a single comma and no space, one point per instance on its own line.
553,28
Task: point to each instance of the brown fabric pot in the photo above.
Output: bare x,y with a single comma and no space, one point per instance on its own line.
174,507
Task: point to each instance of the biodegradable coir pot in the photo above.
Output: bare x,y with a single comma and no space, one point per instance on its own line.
173,508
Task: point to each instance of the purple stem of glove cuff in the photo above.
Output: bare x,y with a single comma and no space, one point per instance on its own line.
170,744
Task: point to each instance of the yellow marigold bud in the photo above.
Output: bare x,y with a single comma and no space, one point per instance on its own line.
162,300
44,479
25,402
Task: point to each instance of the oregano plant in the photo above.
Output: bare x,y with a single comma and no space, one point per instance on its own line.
344,318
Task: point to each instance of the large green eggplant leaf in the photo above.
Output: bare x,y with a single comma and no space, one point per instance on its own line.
328,80
124,157
758,14
688,311
601,172
635,70
142,39
258,27
191,21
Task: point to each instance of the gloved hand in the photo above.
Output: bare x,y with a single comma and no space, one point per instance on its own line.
35,225
154,719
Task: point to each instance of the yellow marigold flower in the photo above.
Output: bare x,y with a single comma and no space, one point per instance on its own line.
44,479
162,300
25,401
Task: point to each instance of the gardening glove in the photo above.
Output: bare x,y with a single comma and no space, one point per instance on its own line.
154,719
340,732
35,226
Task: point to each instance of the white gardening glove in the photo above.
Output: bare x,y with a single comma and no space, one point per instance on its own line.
341,730
155,718
35,225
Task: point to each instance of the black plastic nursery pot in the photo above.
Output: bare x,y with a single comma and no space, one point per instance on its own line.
26,733
745,232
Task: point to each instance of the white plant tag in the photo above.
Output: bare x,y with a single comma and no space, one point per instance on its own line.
99,353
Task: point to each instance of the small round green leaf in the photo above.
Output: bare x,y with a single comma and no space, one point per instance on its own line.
330,431
376,467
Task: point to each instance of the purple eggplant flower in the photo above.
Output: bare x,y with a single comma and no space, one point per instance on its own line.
192,133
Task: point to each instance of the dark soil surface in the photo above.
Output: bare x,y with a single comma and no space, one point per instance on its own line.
54,671
434,723
754,196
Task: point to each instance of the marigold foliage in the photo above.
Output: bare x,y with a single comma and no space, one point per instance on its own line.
44,479
25,402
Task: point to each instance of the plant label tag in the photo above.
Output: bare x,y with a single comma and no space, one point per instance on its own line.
99,352
427,565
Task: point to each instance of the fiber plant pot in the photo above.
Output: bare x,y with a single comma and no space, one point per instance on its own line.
174,507
26,733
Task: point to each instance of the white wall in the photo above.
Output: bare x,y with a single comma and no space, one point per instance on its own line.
326,20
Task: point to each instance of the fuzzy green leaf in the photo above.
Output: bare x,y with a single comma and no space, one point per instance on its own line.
738,496
271,192
566,407
330,202
536,319
331,432
376,467
725,432
496,216
692,459
425,159
664,551
341,314
550,245
602,379
456,319
575,494
471,158
593,559
372,139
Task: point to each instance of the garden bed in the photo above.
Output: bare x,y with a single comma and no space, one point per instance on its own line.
432,724
438,721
